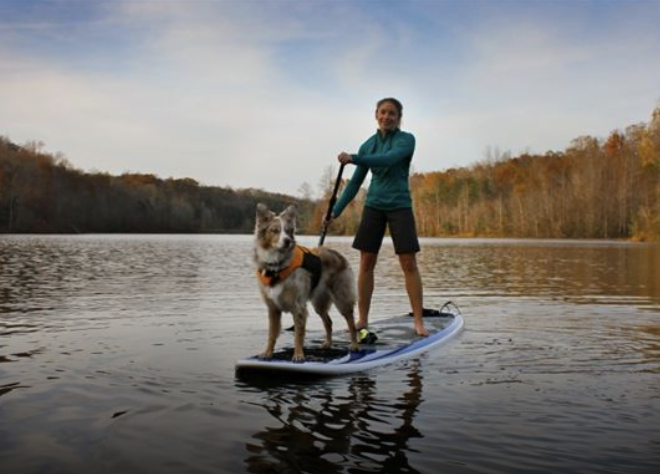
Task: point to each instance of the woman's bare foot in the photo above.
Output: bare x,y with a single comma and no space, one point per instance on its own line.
421,330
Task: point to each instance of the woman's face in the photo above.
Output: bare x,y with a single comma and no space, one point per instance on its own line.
388,118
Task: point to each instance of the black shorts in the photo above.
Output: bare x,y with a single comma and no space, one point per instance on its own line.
371,231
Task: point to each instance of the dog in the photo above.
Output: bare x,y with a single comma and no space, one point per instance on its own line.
290,275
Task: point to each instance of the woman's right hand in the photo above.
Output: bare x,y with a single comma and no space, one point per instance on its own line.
344,158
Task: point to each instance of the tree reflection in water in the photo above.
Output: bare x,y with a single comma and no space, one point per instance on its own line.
339,425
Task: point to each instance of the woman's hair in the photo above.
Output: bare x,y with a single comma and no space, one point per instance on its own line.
393,101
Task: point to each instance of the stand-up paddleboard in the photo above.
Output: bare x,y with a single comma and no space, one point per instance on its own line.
396,341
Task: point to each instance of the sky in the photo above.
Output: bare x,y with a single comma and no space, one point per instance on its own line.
266,93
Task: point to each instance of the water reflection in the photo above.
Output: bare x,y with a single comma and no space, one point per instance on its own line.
51,282
572,269
330,427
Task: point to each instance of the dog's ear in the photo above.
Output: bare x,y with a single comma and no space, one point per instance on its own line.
290,214
291,211
263,214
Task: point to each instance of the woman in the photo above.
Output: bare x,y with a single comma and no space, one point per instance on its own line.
387,154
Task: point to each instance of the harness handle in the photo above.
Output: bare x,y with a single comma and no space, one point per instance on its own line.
331,204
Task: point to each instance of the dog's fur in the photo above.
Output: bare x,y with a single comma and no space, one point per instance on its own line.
274,245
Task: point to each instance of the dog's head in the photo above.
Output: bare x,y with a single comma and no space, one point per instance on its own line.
273,231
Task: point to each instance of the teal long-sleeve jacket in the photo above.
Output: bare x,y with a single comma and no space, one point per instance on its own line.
388,158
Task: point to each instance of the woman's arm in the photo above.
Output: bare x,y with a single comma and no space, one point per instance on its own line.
351,189
402,148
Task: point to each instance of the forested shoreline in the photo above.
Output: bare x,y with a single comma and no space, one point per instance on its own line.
596,188
43,193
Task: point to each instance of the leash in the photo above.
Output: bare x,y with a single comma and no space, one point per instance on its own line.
331,204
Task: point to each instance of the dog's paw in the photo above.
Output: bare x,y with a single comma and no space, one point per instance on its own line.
265,356
298,358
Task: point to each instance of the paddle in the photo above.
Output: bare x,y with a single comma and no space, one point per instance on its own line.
364,336
328,214
331,204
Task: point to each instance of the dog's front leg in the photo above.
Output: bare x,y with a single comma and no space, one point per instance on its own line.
274,328
299,323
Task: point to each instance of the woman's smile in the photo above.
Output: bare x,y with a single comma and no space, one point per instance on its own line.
388,117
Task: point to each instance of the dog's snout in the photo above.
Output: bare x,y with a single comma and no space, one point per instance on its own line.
287,241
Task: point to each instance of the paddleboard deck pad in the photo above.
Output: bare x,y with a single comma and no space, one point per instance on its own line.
396,341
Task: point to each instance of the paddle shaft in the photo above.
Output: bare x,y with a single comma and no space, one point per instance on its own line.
331,204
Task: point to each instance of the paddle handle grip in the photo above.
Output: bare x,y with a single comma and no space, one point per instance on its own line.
331,204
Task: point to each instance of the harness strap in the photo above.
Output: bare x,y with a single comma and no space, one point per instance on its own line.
312,263
302,257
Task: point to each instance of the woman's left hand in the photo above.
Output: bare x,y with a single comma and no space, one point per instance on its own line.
344,158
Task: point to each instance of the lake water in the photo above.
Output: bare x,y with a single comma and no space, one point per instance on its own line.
117,355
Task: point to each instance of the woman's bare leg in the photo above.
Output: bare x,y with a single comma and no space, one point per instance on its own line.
415,290
365,284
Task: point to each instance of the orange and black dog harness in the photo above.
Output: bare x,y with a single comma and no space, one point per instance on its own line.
302,258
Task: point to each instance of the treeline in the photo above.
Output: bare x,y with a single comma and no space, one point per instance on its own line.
596,188
40,193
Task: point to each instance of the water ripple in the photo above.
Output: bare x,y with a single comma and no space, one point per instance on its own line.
117,352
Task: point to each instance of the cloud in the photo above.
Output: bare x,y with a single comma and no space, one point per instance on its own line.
262,94
199,93
534,80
